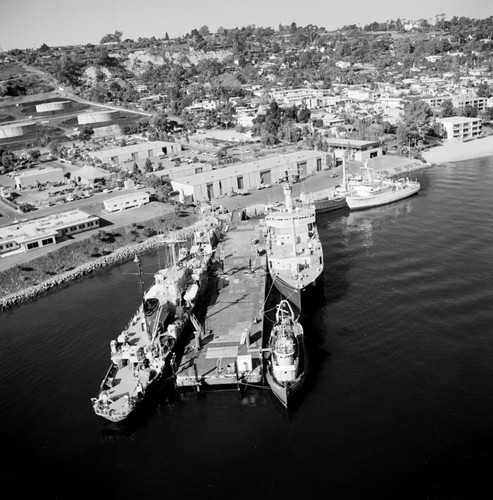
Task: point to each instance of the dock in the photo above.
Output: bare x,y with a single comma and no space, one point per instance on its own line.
226,348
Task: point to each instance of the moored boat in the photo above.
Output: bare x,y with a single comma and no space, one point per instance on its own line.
294,252
145,348
287,361
373,192
329,199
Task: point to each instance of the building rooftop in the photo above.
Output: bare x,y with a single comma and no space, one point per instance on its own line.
49,225
36,171
144,146
458,119
352,143
238,169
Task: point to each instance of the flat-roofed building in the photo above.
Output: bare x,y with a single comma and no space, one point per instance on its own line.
246,176
130,200
462,101
136,152
33,177
356,149
38,233
459,128
436,101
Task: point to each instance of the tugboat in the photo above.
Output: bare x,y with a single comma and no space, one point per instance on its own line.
288,363
294,252
145,348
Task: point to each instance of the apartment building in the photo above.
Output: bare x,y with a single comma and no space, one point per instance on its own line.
459,128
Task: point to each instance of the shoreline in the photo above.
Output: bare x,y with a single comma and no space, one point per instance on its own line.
117,257
452,151
441,155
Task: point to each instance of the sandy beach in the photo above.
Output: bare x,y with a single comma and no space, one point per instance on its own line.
458,151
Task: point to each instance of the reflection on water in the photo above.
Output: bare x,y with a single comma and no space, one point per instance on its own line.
360,225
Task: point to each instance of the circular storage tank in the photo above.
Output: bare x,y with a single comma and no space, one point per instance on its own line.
53,106
101,116
17,129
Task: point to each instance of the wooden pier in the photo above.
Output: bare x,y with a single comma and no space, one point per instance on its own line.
227,347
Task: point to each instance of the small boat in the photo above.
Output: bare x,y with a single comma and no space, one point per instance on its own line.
287,361
373,192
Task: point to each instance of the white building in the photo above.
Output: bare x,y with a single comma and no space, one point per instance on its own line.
33,177
44,231
130,200
463,100
355,149
459,128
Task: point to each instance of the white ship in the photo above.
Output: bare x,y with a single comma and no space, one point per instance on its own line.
294,252
373,192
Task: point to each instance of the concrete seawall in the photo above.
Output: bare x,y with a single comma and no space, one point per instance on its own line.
117,257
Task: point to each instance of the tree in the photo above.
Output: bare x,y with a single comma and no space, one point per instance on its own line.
416,116
304,115
34,154
148,165
447,109
470,112
112,37
86,132
483,90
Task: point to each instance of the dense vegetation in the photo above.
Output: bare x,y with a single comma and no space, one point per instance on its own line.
166,76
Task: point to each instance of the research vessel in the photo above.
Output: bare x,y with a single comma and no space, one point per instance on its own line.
144,349
287,361
373,192
294,252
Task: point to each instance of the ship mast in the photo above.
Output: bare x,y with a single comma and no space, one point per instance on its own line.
344,180
141,284
288,202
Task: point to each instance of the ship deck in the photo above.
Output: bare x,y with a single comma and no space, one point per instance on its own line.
232,338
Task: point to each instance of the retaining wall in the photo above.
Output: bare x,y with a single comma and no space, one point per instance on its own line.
117,257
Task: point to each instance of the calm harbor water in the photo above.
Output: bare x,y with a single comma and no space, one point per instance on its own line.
398,404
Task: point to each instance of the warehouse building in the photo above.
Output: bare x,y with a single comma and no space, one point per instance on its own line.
31,178
125,154
246,176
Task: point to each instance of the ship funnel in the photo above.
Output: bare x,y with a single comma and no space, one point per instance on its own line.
288,200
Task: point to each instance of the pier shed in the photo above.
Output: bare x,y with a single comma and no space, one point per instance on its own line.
249,175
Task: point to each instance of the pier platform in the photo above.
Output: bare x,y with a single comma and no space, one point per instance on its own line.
227,347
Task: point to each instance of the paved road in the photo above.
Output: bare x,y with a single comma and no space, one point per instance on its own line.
320,181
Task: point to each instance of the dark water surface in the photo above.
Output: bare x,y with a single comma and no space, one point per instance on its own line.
398,404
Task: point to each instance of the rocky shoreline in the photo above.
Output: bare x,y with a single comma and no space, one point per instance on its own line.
117,257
